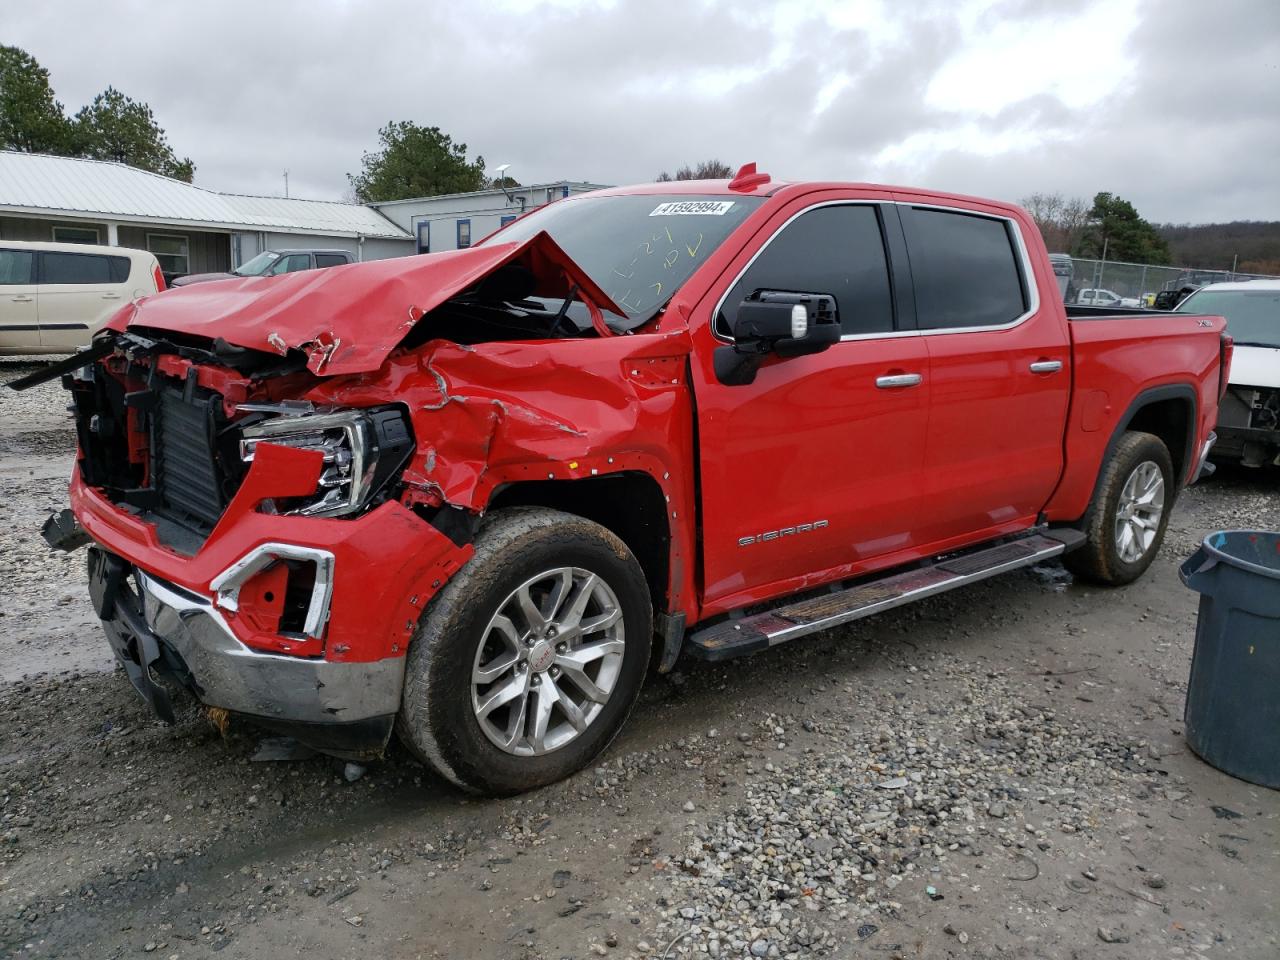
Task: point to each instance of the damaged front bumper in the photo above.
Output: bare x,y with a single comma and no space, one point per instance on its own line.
161,632
203,621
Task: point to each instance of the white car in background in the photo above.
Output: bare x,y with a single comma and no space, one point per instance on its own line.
1098,297
1249,414
55,296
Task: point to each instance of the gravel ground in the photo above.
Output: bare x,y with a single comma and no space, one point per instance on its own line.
998,772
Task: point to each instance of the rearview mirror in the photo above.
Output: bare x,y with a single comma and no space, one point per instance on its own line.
780,323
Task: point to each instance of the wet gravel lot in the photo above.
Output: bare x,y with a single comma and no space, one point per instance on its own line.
998,772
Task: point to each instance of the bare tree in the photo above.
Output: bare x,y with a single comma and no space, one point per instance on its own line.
1073,220
1061,220
707,170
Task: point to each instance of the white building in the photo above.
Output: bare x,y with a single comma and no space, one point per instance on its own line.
456,220
188,228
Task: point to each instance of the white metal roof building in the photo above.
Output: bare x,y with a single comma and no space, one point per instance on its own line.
189,228
455,220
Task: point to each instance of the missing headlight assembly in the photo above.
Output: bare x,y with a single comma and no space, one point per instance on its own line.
363,451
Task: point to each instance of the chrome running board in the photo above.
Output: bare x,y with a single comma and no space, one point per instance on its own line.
737,636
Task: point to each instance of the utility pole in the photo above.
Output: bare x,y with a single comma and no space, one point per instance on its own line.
1234,262
286,184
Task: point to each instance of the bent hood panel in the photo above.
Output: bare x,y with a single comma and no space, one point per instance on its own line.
347,319
1255,367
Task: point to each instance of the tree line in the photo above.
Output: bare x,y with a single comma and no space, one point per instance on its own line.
112,127
1071,225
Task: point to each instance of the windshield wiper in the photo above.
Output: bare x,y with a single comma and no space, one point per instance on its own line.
558,319
1257,343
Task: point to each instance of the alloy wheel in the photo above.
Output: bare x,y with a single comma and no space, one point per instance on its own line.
1138,512
548,661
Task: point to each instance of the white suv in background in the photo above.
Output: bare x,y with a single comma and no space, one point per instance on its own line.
55,296
1249,412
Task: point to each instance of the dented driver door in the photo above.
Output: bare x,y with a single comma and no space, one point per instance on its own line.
813,471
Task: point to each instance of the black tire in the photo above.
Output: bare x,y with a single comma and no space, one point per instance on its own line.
1100,560
437,721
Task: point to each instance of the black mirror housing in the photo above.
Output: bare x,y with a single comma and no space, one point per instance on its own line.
779,322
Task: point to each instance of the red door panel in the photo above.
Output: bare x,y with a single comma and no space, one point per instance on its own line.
994,446
813,441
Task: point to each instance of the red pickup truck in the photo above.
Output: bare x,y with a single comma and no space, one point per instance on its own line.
473,496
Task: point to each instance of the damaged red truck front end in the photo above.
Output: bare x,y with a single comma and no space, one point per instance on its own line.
279,476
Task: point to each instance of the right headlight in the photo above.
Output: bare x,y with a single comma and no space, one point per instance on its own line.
360,448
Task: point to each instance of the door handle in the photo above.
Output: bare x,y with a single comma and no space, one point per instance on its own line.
1046,366
22,299
111,296
897,381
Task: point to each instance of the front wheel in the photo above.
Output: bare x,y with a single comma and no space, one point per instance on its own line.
1126,522
527,663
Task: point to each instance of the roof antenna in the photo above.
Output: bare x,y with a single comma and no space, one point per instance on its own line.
286,184
746,179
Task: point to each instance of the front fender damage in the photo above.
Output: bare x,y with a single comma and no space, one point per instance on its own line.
494,414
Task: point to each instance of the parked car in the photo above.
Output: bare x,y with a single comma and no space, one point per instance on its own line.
1249,414
1097,297
55,296
471,496
272,263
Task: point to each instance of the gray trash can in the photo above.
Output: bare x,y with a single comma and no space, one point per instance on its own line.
1233,697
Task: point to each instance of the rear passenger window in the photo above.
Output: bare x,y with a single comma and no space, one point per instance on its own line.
15,267
330,260
838,250
965,269
82,268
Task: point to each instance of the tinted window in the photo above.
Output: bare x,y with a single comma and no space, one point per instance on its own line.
82,268
15,267
291,264
834,250
964,268
330,259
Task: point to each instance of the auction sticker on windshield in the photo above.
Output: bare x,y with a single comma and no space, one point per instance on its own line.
705,208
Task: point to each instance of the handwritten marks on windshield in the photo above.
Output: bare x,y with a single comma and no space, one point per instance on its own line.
659,262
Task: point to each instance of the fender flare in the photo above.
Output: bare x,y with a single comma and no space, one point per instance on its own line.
1169,391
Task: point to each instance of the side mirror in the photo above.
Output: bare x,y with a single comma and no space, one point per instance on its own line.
779,323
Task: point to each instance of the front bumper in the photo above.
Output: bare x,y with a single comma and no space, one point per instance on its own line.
333,680
1251,446
160,631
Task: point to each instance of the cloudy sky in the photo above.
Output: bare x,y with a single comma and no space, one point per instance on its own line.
1173,104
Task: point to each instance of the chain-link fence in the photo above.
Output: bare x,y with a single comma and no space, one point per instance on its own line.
1108,282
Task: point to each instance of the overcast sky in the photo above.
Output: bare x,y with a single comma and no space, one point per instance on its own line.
1172,104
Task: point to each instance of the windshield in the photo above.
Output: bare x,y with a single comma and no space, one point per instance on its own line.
638,249
1253,316
258,265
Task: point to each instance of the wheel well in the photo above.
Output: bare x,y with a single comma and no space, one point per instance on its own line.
1171,420
630,504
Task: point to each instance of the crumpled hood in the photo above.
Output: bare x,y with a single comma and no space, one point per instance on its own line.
1255,366
348,319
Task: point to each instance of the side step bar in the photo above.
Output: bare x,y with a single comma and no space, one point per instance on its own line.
735,637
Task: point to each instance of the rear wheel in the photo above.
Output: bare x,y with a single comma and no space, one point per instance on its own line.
1130,511
527,663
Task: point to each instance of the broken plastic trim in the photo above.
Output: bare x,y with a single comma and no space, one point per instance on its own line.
228,583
